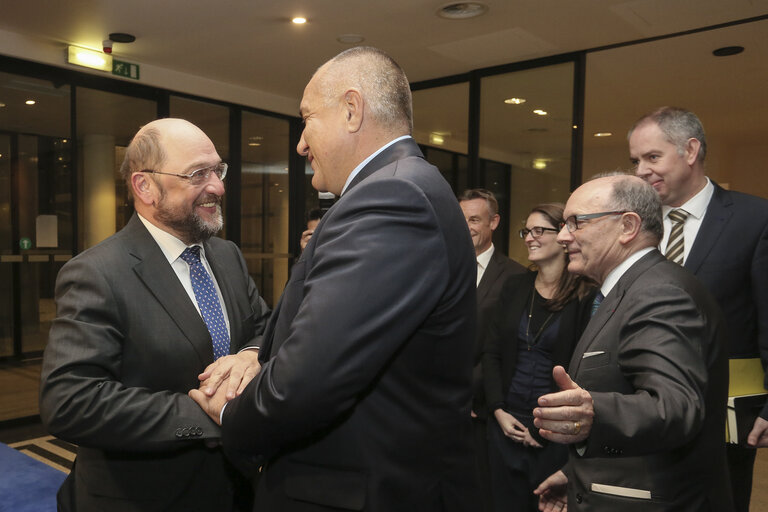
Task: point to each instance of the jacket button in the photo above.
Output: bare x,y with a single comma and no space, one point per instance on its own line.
178,432
578,498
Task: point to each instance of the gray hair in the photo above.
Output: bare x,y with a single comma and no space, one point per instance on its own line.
678,125
144,152
381,81
633,194
481,193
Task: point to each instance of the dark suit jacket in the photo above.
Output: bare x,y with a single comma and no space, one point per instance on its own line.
126,347
499,269
730,256
654,360
501,338
363,399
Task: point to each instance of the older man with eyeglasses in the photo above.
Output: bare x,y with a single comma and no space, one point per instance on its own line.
644,406
141,318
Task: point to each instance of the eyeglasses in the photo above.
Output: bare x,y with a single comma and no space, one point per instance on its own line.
199,176
572,222
536,231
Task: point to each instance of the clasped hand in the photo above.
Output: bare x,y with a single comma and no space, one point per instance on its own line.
223,380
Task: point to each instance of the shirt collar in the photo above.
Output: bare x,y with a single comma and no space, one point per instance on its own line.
362,164
485,257
695,206
614,275
171,246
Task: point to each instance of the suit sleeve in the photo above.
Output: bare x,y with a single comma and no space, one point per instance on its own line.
759,272
378,271
658,401
86,398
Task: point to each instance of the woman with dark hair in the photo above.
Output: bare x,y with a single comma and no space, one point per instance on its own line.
538,319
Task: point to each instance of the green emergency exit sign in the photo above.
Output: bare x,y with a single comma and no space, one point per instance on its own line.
125,69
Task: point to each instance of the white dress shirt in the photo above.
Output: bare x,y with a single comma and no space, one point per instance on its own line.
482,262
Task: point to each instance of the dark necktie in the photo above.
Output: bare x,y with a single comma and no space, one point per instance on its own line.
676,244
596,303
207,301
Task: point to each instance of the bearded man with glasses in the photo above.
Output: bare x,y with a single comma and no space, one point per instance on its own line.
141,318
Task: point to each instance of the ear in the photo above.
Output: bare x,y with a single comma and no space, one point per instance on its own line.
143,188
692,147
354,110
630,227
495,222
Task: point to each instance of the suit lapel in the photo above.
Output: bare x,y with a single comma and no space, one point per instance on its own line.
719,212
490,276
156,274
609,306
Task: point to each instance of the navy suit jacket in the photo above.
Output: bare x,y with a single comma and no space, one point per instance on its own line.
363,399
730,256
125,348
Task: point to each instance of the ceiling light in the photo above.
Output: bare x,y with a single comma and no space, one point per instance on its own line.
603,134
727,51
436,138
30,102
514,101
462,10
540,163
298,20
89,58
540,112
2,105
254,144
350,38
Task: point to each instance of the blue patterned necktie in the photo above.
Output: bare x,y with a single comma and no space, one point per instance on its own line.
207,301
596,303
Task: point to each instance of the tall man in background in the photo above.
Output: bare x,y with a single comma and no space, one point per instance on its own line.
363,400
481,211
720,236
134,329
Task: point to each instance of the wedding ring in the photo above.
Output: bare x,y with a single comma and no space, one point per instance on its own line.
576,427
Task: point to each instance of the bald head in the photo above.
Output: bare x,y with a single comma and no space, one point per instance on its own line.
380,80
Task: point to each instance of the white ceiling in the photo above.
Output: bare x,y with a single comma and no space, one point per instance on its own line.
252,43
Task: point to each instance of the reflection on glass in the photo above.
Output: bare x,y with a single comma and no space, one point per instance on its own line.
264,231
526,154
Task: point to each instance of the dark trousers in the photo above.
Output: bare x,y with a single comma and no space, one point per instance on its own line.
741,463
480,441
516,470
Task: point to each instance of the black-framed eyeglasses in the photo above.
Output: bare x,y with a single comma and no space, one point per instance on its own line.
573,222
536,231
198,176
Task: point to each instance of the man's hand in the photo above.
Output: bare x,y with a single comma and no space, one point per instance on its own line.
212,405
758,437
566,416
237,370
305,236
552,493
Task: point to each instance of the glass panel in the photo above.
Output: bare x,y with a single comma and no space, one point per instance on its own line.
726,93
264,232
440,121
526,156
106,123
214,121
35,208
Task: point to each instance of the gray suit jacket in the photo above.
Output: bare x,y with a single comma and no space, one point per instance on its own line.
126,347
655,362
363,398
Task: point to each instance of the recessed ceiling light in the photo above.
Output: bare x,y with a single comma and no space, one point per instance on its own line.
462,10
254,144
298,20
2,105
727,51
540,163
540,112
30,102
350,38
603,134
514,101
436,138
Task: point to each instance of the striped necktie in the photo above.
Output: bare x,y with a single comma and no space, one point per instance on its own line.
676,245
207,301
